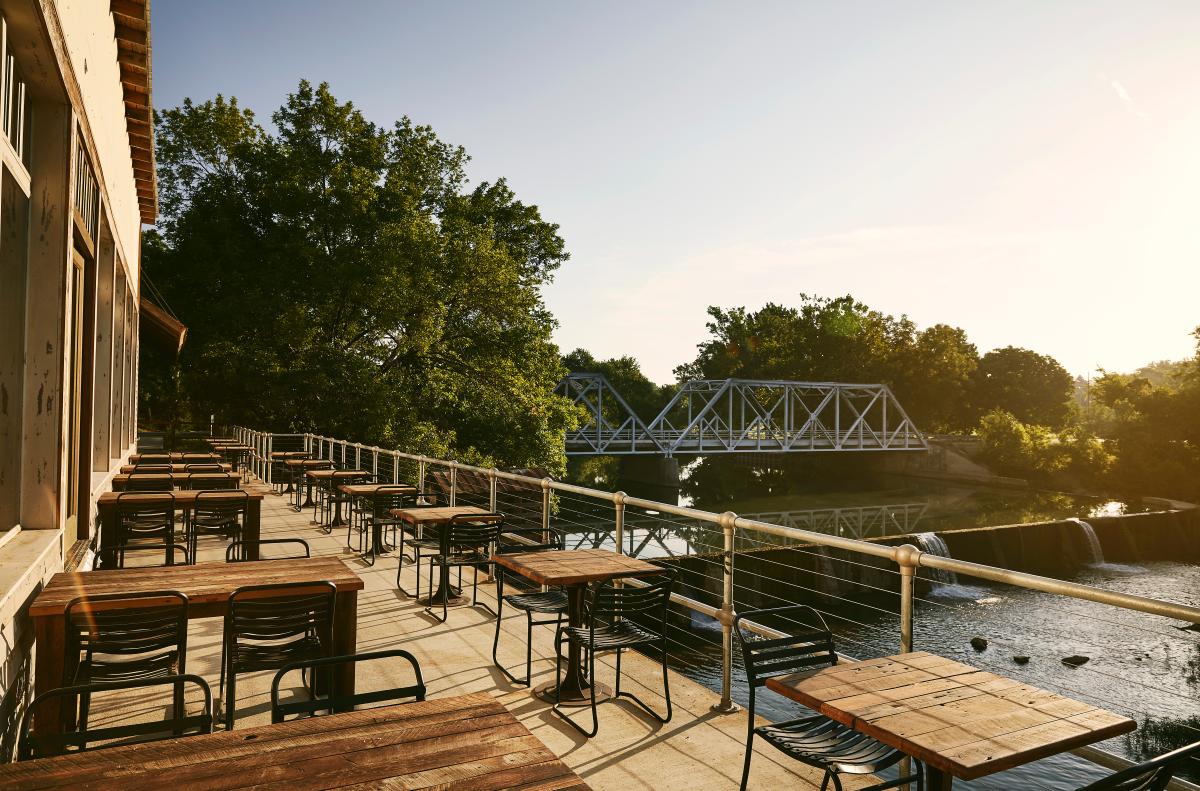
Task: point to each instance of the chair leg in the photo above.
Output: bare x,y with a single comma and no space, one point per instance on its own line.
749,755
666,688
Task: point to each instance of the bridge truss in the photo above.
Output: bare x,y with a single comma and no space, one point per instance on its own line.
716,416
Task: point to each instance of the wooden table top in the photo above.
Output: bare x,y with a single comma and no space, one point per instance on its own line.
435,516
176,467
366,489
321,475
179,478
308,462
468,741
574,566
183,497
964,721
289,454
202,583
226,447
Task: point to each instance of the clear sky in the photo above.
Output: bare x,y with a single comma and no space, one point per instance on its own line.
1029,171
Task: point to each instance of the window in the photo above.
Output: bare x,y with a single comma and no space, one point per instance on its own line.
14,101
14,224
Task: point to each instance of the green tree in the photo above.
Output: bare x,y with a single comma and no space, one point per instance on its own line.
341,277
1031,386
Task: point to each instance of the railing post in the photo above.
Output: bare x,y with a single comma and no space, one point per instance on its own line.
619,520
726,705
395,466
270,444
375,462
357,456
546,510
908,557
453,483
492,489
421,475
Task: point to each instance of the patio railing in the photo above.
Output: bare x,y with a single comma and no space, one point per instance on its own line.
872,591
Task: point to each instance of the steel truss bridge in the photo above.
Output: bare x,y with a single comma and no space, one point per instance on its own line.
712,416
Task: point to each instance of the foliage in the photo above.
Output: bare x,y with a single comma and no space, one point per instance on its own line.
1032,386
1014,448
343,278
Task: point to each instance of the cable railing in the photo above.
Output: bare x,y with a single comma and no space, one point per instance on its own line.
878,597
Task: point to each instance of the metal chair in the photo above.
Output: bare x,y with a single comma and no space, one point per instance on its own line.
213,481
111,644
153,458
217,512
152,467
149,482
269,626
375,513
466,540
1153,775
336,703
204,467
814,740
179,724
334,497
552,602
617,620
146,521
236,552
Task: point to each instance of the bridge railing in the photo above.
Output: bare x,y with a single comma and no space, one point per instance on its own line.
878,598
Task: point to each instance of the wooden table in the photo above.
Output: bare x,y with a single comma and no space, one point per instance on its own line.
120,481
185,499
333,475
177,457
207,586
960,721
468,741
359,491
280,455
301,466
176,467
423,517
574,569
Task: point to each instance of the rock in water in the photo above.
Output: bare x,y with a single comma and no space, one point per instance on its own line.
1075,661
1021,660
978,643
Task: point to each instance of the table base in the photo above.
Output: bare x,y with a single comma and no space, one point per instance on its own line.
549,693
435,601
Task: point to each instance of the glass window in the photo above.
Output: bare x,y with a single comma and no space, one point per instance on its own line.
14,220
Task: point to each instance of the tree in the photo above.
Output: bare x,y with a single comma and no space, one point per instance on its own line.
341,277
936,379
1032,387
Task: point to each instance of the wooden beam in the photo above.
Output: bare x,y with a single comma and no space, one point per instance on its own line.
133,8
131,22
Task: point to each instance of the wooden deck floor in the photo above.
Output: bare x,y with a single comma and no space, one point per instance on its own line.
698,749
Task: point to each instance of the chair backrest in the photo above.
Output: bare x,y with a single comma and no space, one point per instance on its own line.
212,481
143,514
153,457
220,504
174,554
136,627
334,703
281,611
149,482
1153,775
474,531
808,643
236,552
385,498
638,602
204,468
153,467
529,539
84,738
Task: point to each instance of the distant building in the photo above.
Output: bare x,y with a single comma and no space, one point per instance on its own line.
77,184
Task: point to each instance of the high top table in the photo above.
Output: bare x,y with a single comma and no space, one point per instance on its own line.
207,586
960,721
574,569
435,517
185,499
357,492
467,741
300,467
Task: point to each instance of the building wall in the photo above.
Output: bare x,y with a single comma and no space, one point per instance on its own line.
69,251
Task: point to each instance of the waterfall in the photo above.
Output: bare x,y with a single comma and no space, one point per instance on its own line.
932,544
1095,554
827,581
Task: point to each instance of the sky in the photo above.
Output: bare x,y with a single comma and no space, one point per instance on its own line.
1027,171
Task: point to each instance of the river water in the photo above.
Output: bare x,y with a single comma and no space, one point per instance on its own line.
1139,665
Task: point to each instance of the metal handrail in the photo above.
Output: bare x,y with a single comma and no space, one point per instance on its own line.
907,557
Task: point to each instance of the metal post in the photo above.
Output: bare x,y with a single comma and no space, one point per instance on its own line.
375,462
619,520
421,475
395,467
546,510
726,705
357,456
270,444
492,489
908,557
453,483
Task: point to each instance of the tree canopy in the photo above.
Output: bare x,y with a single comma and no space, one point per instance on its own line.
345,278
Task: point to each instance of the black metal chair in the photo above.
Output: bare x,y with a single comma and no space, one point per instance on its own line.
151,467
213,481
149,482
112,644
814,740
466,540
1153,775
374,516
146,521
269,626
154,458
83,737
621,617
551,602
217,512
236,552
203,467
334,703
334,498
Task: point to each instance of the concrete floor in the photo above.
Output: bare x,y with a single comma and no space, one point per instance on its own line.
698,749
